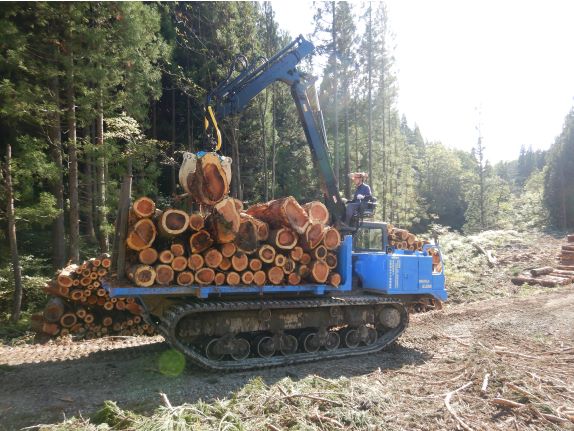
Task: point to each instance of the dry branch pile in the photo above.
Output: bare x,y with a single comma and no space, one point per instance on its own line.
80,306
548,276
270,243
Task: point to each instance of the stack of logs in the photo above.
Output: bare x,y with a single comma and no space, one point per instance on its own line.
80,306
548,276
272,243
402,239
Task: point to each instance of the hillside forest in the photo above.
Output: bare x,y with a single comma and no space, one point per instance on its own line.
93,91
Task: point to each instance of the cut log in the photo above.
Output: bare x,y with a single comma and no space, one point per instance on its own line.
200,241
68,320
210,182
259,278
172,222
89,318
67,275
247,277
225,264
164,274
135,308
331,260
107,321
319,271
294,279
334,279
166,256
262,228
280,260
541,271
177,249
317,212
296,254
320,253
108,305
305,259
143,207
228,210
289,266
213,258
205,276
401,234
566,267
106,261
313,236
570,238
562,274
219,229
547,281
184,278
275,275
219,279
54,310
179,263
76,294
81,313
284,212
141,235
303,271
228,249
246,237
196,222
233,278
332,238
283,238
267,253
524,279
255,264
239,261
195,262
141,275
568,247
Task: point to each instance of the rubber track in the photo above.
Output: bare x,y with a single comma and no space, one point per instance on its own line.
168,325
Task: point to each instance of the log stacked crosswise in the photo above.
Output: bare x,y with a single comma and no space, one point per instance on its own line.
278,242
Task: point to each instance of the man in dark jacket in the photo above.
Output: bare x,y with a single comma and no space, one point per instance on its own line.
362,192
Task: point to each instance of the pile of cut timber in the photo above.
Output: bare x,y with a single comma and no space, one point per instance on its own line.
549,276
278,242
80,306
402,239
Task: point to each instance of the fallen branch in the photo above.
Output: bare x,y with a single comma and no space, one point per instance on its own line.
502,402
313,397
165,400
451,410
488,253
484,383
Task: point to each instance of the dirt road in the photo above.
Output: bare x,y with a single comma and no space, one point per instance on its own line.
42,384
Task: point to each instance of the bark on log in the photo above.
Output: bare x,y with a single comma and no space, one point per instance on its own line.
219,279
283,238
142,275
524,279
179,263
205,276
225,264
319,271
143,207
246,238
262,229
185,278
332,238
219,228
239,261
195,262
247,278
233,278
67,275
284,212
213,258
275,275
141,235
317,212
196,222
267,253
541,271
164,274
172,222
54,310
166,256
200,241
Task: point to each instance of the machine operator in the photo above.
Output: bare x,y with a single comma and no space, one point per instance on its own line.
362,192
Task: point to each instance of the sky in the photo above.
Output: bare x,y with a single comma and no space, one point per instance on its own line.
504,65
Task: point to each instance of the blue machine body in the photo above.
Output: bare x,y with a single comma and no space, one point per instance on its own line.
398,273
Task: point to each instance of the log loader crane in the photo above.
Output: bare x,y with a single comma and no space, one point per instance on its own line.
249,327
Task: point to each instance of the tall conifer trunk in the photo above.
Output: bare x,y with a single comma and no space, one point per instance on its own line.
369,96
55,137
73,162
101,192
173,135
336,90
12,238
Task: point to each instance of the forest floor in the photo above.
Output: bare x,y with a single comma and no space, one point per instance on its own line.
506,362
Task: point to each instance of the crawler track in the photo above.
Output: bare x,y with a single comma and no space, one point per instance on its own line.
353,312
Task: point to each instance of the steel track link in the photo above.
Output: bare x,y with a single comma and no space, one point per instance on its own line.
168,324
